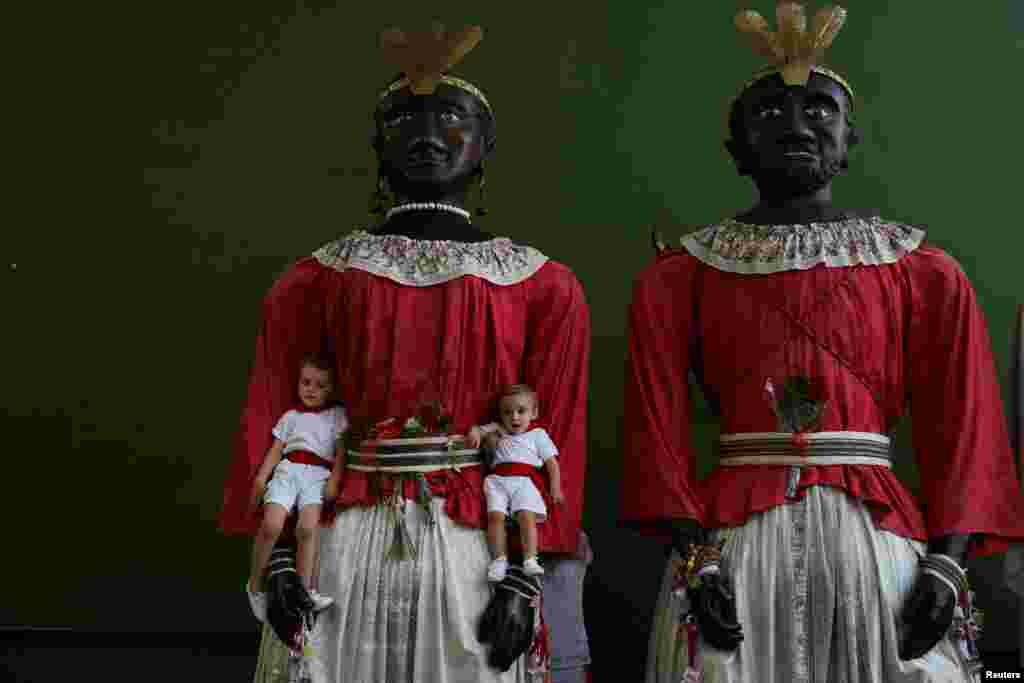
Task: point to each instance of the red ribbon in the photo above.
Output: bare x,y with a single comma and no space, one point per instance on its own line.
307,458
514,469
800,442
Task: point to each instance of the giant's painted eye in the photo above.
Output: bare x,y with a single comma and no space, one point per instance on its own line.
397,119
818,112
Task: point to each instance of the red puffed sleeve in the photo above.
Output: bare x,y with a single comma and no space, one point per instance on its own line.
968,479
659,478
556,365
293,316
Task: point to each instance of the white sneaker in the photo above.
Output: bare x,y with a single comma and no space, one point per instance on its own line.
258,603
496,572
320,602
531,567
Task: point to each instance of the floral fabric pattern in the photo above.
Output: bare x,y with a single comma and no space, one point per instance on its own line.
737,247
422,263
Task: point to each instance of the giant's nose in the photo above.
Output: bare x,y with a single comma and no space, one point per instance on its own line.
794,120
424,124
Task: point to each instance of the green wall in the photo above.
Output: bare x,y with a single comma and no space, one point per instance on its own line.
134,309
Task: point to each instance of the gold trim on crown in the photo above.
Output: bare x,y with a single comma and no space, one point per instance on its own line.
453,81
824,71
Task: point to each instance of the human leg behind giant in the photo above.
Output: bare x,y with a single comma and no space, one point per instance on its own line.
563,581
398,620
818,590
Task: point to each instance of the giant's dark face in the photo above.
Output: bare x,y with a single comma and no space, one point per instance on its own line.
432,145
792,140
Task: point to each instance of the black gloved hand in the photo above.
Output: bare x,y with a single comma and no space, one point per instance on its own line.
507,623
713,601
926,618
928,612
714,607
289,605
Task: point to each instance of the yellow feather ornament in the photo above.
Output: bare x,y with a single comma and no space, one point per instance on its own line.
460,44
793,51
764,42
792,25
422,57
827,23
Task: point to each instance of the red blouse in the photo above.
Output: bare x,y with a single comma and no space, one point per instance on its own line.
877,336
496,314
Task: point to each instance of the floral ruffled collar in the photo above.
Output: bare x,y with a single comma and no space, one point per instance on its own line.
737,247
421,263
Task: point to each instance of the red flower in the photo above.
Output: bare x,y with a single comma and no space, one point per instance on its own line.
388,429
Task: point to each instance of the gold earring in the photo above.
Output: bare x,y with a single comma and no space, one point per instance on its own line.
481,209
380,196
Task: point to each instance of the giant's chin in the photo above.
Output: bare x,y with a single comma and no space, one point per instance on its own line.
426,172
426,182
798,175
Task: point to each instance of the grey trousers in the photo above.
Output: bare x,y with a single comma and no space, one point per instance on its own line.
563,613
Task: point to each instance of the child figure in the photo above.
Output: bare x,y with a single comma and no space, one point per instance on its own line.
305,438
519,452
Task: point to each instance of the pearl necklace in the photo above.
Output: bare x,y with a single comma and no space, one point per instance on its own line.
427,206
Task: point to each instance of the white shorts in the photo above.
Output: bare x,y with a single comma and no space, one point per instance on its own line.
512,494
296,485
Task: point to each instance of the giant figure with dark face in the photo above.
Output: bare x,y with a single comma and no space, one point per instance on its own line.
809,327
424,307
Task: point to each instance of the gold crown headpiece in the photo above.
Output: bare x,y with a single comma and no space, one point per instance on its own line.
793,50
425,56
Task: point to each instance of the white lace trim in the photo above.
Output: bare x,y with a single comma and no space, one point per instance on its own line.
762,249
422,263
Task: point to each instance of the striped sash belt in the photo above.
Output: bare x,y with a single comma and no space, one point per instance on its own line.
817,448
428,454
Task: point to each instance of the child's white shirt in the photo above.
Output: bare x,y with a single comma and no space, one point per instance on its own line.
316,432
533,447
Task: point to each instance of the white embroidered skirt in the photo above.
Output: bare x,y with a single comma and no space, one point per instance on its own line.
818,588
408,621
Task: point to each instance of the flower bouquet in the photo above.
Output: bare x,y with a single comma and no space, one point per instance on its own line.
431,419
